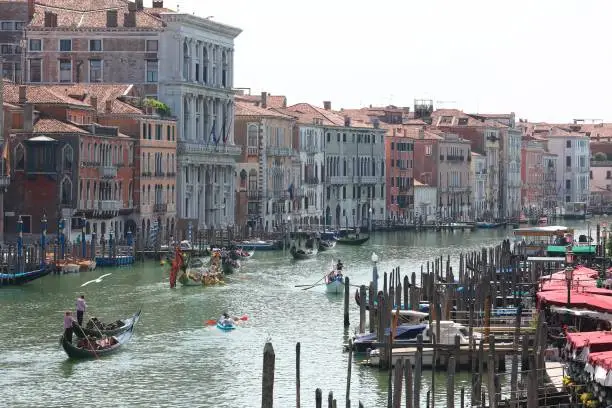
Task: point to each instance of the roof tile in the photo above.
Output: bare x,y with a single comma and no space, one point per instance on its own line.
38,94
55,126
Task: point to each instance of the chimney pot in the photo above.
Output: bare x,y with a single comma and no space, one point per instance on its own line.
22,94
347,121
132,6
327,105
139,5
30,10
28,117
158,4
109,105
264,100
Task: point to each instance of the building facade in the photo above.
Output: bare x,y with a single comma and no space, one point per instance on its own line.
268,171
399,149
425,203
478,177
14,16
601,186
309,140
532,176
551,187
573,169
196,73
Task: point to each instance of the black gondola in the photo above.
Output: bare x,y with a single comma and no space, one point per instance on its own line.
15,279
352,240
94,348
101,331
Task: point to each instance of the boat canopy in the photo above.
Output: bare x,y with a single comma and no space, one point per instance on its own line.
545,231
576,249
588,301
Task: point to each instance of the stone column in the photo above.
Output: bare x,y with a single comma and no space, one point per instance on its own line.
209,118
229,75
179,41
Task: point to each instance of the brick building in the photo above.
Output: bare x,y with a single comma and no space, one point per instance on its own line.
14,15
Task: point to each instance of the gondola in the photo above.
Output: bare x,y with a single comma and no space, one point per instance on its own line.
352,240
105,346
15,279
93,332
325,245
301,254
229,265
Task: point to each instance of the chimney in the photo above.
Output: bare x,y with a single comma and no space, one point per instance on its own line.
327,105
405,132
421,134
264,100
28,117
394,134
347,121
109,106
93,101
22,94
139,5
129,18
158,4
30,10
111,18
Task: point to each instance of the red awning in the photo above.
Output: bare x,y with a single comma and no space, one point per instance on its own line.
602,359
602,339
580,300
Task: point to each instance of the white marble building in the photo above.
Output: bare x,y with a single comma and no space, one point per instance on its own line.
573,166
425,202
196,70
478,178
312,159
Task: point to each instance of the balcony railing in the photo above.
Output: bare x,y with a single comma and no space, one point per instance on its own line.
108,171
312,180
254,195
109,205
5,181
280,151
145,174
159,174
170,174
160,208
252,151
188,147
368,180
340,180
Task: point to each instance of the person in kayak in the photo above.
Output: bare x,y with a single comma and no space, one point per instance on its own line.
226,320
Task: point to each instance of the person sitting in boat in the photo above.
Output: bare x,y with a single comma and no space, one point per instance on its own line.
339,266
225,320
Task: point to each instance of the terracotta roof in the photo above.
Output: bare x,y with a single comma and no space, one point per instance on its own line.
78,14
272,101
249,109
450,118
307,113
476,154
39,94
104,92
55,126
417,183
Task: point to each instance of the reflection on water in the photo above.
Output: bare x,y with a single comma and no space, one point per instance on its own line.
176,359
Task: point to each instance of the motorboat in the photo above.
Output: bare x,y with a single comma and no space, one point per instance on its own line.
403,334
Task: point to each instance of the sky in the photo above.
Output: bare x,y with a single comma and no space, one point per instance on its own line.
545,60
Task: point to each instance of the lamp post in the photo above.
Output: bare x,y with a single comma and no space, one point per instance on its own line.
375,273
20,243
83,243
43,239
569,271
370,220
110,243
62,239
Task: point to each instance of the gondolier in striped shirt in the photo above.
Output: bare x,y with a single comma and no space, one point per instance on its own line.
81,306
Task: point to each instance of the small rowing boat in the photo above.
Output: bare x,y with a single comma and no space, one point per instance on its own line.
334,282
226,324
325,245
353,240
91,347
95,328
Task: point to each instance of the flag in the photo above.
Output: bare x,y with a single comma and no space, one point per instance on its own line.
213,135
223,129
227,130
290,190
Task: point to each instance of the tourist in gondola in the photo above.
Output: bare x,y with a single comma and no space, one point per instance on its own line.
81,306
68,322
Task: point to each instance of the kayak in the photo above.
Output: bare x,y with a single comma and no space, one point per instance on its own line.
226,326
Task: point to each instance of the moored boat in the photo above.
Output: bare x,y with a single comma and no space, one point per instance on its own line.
334,282
19,278
404,334
241,253
95,328
86,265
67,267
258,244
353,240
90,347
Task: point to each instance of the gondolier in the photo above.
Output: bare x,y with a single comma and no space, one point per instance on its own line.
81,306
68,321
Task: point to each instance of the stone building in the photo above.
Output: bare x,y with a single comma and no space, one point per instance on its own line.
14,15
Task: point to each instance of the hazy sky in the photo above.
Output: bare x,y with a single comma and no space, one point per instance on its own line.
546,60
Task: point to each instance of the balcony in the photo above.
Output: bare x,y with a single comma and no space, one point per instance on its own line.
160,208
311,149
280,151
280,195
170,174
455,158
254,195
109,205
340,180
252,151
145,174
5,181
196,148
312,181
368,179
108,172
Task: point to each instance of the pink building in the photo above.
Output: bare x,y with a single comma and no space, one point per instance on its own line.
532,174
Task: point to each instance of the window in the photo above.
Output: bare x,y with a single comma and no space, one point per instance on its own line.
95,45
65,70
428,150
152,45
65,45
568,184
19,25
19,157
568,144
6,49
7,26
35,45
36,70
151,70
95,70
568,161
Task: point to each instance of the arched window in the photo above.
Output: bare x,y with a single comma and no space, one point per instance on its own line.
19,157
205,65
252,136
224,76
243,178
66,191
172,196
95,155
143,198
67,154
186,62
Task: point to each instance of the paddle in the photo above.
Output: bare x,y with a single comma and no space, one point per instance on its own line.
212,322
312,284
89,341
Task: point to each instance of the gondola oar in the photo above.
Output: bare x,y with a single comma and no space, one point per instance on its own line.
212,322
312,284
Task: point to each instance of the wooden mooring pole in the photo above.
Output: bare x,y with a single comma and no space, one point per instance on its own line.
347,288
267,386
297,374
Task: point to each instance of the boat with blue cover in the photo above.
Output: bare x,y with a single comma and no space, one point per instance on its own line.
19,278
226,324
334,282
404,334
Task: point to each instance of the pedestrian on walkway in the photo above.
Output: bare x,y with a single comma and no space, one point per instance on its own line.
81,306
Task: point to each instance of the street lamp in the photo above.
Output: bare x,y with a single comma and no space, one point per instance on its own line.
83,243
43,238
375,273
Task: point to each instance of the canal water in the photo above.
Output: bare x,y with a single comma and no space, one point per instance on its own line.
176,360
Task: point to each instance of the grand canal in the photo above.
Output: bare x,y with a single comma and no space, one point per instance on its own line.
174,359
